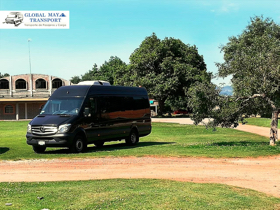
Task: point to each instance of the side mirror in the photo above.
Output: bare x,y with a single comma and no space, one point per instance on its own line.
86,112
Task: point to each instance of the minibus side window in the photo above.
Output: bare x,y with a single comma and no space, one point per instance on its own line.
140,103
103,104
109,104
116,104
93,106
128,103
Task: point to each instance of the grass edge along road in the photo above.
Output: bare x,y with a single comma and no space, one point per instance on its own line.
256,121
166,140
131,194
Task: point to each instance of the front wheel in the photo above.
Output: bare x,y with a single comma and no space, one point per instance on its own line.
39,149
79,145
133,138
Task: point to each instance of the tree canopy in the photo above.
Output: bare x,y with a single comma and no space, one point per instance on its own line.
166,68
253,60
110,71
4,75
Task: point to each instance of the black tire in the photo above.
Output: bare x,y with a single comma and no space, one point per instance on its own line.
99,143
133,138
39,149
79,145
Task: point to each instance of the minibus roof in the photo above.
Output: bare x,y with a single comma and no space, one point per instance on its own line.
117,90
71,91
83,90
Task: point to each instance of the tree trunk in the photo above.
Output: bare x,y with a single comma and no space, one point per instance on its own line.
160,106
274,128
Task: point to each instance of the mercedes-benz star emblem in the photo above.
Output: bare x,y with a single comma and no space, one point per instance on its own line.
42,129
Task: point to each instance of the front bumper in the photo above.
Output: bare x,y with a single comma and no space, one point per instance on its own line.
56,140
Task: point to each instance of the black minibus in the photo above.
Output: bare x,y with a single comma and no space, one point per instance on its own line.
78,115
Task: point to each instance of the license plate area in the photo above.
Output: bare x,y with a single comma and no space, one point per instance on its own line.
41,143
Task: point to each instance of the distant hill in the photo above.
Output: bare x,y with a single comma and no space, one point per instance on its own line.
227,91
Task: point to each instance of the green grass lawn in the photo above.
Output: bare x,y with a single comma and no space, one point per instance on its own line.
263,122
131,194
166,140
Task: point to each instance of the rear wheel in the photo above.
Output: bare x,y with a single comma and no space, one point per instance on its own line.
39,149
133,138
79,145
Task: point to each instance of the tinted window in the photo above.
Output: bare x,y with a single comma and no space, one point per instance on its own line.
140,103
92,106
63,106
121,103
110,104
128,103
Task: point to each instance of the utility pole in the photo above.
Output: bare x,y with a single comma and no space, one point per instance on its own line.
30,77
29,40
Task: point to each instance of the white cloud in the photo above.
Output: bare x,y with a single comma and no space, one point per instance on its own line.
228,7
220,7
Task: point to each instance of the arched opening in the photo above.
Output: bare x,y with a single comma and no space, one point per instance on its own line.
4,84
56,83
41,83
20,84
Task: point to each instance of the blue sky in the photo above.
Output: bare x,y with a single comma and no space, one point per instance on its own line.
103,28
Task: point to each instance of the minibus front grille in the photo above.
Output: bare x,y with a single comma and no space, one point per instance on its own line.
44,130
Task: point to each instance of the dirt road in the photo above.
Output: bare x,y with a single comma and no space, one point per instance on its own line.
261,174
263,131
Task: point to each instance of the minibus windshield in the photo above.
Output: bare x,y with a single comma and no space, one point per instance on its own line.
67,106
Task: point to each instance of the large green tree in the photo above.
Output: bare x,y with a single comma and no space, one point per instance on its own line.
89,75
111,71
166,67
75,79
253,60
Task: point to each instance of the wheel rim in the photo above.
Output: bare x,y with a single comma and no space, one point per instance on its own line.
79,145
133,138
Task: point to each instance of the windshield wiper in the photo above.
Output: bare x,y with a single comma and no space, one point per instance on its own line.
64,115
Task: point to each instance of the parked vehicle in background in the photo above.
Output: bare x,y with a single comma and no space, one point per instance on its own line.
180,111
78,115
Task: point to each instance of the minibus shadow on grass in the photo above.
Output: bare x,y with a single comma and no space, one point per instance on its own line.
4,150
110,147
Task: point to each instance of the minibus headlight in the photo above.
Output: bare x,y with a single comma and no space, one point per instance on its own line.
28,128
64,128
